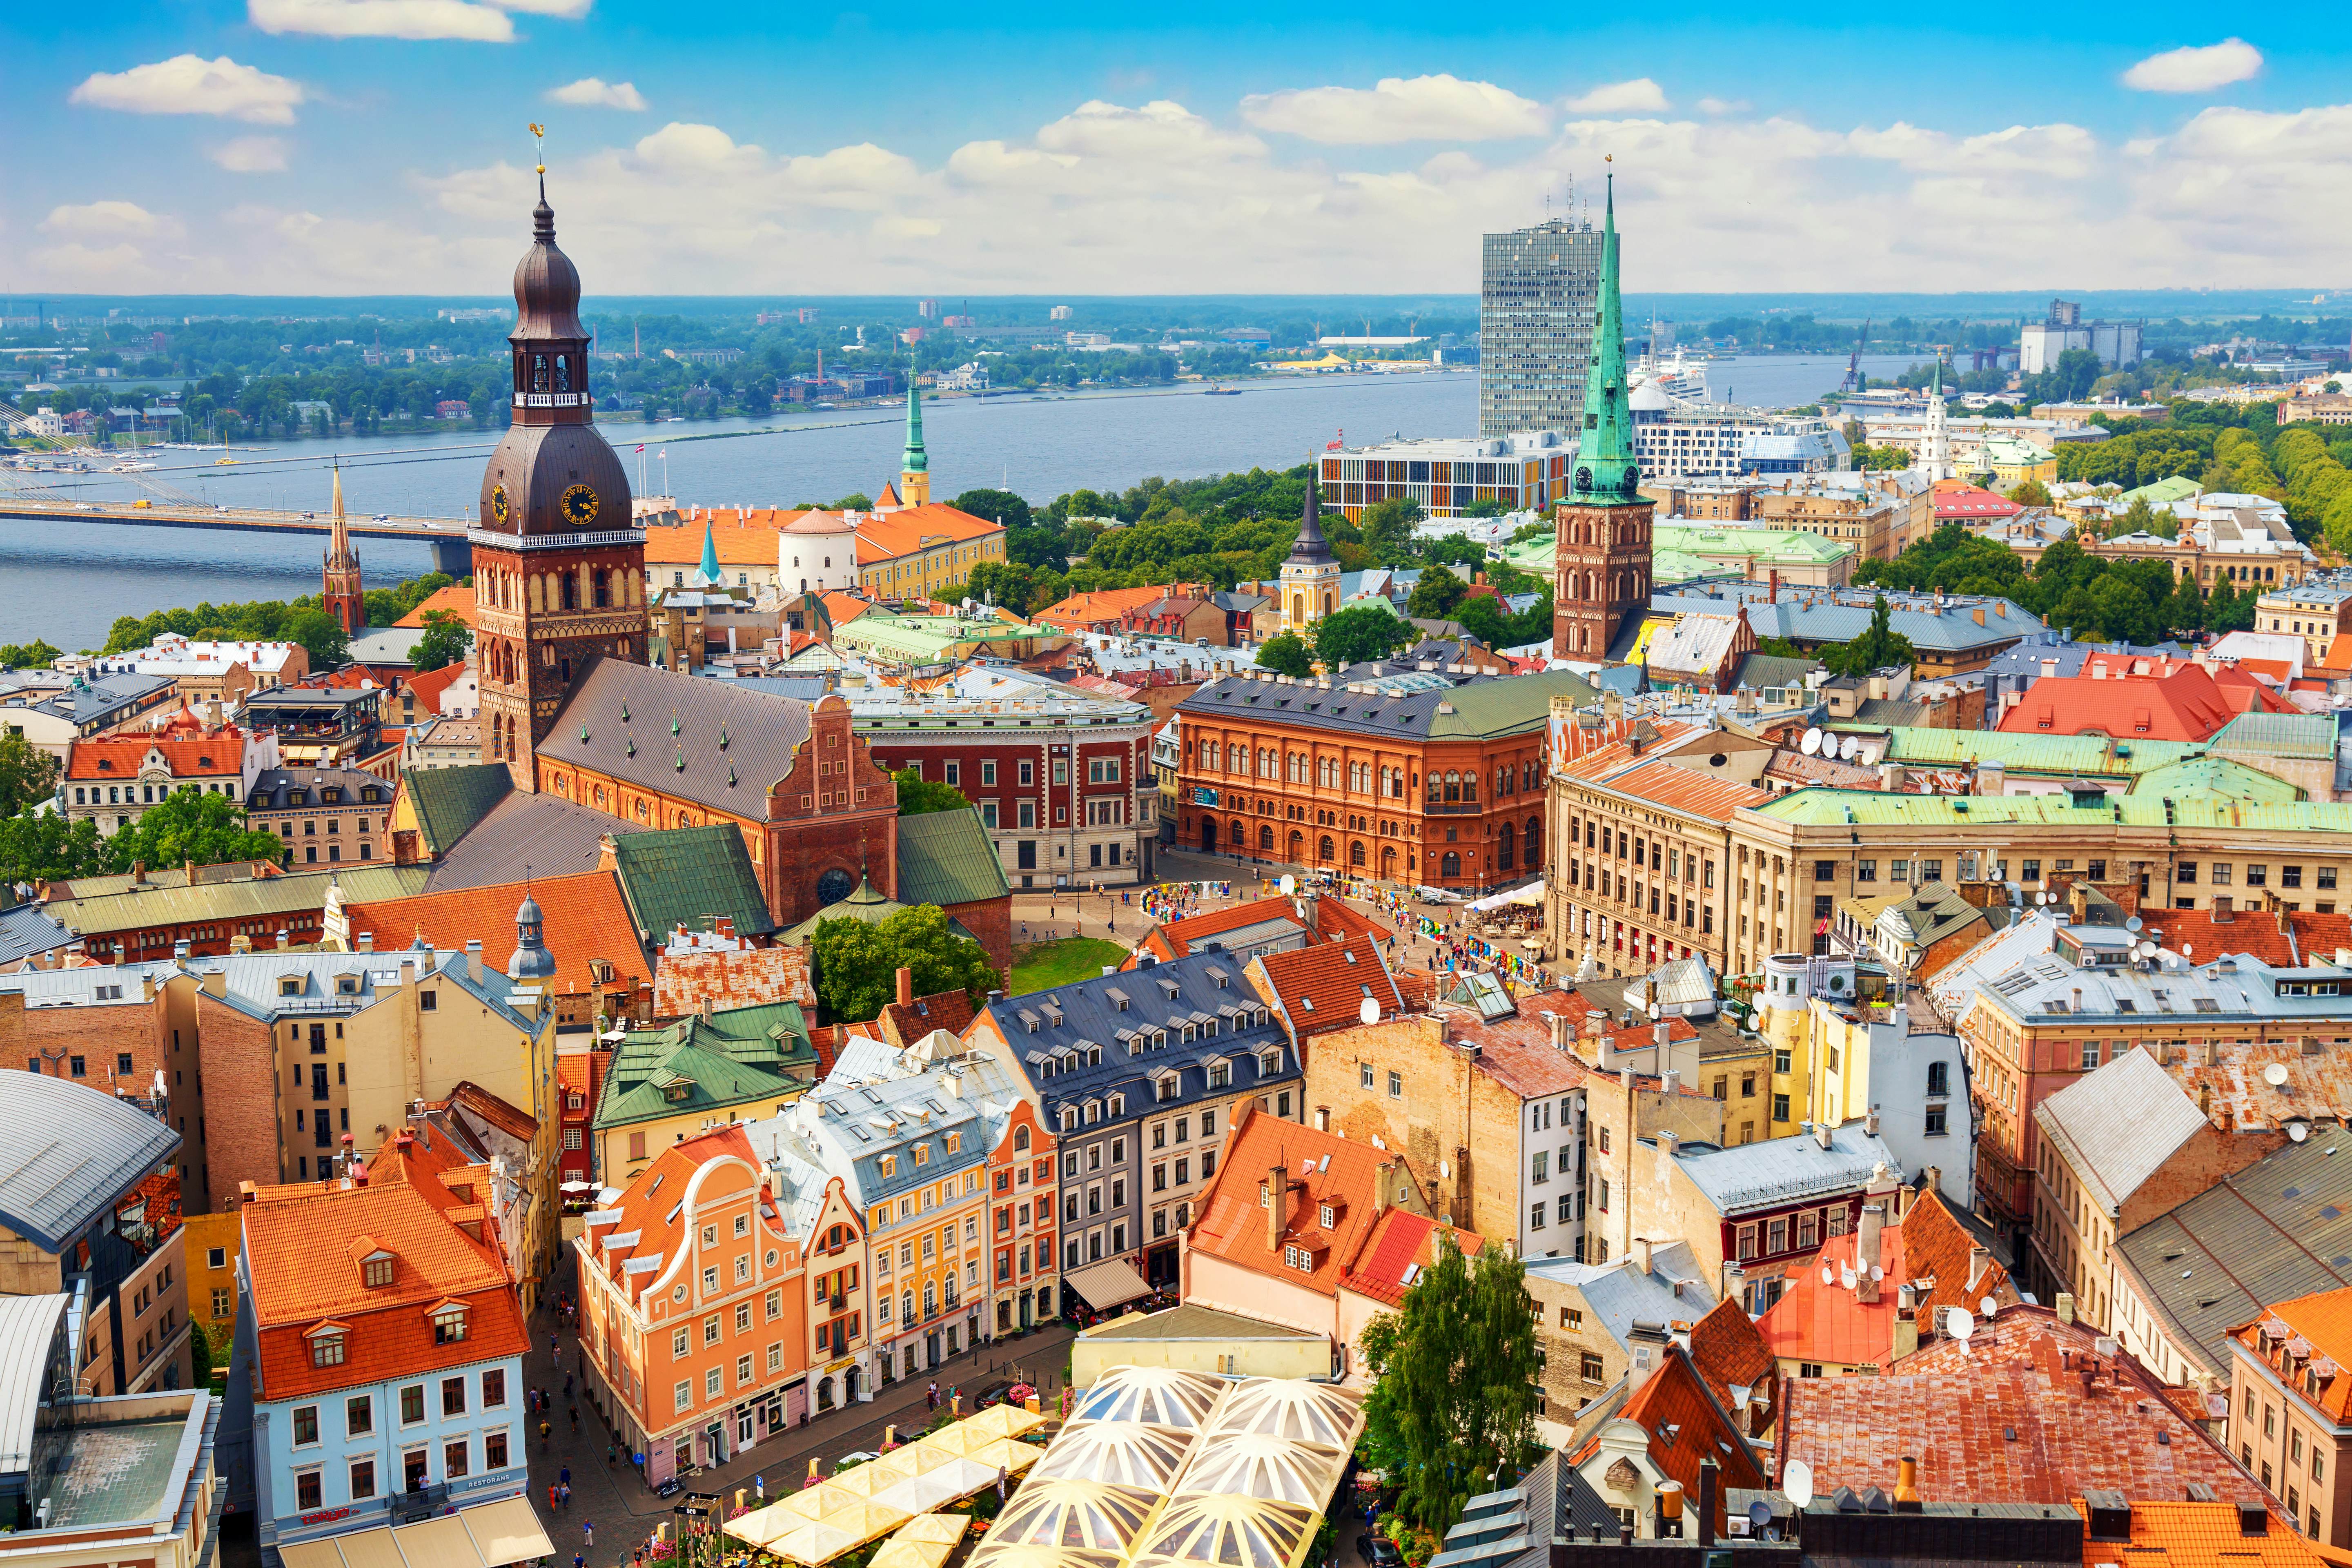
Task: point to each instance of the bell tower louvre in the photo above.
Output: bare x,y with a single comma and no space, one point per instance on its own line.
558,559
1602,577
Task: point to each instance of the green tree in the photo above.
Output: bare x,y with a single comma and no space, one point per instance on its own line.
446,637
919,795
857,965
1016,585
1284,654
1881,457
1457,1373
28,775
1488,508
1001,506
1877,648
1387,527
45,848
2033,492
1435,597
190,825
1363,632
33,655
321,636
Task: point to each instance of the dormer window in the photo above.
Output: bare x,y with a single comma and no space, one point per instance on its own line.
1070,1118
954,1141
888,1164
375,1270
1167,1087
290,986
448,1323
679,1089
347,984
1271,1063
1221,1075
327,1346
1325,1217
1117,1106
923,1153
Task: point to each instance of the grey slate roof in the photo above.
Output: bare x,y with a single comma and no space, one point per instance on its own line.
1819,616
26,932
67,1153
550,835
1081,1042
1785,1170
107,695
273,787
1617,1294
761,733
2278,1229
2118,1126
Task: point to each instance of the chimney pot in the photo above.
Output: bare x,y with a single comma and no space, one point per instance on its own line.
906,986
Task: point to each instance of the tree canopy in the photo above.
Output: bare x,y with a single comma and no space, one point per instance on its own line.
191,825
857,965
1284,654
919,795
28,775
1878,646
1358,633
444,642
46,847
1435,597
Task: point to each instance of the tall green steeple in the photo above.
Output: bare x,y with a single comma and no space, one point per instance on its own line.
710,571
1605,469
915,460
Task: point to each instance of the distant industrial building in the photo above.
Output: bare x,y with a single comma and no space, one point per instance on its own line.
2040,342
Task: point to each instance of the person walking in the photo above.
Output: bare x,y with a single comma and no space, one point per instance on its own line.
588,1528
934,1396
546,1432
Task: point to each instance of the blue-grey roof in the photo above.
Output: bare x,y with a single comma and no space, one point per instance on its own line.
1617,1294
105,695
800,688
1823,616
67,1152
26,932
1124,1033
254,983
1780,1170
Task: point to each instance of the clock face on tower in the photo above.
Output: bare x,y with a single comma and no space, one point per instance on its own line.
499,503
580,506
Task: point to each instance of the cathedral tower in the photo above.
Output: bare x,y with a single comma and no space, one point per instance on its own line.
559,561
339,590
1310,577
1602,578
915,464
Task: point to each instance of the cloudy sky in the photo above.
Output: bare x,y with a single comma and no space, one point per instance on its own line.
380,146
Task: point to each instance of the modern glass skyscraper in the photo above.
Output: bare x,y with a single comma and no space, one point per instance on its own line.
1536,292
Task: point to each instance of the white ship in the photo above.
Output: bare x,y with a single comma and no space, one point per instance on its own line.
1682,379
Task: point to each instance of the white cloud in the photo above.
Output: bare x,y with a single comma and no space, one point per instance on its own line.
252,155
1622,98
461,19
1723,105
2196,70
189,84
1426,107
594,92
1090,202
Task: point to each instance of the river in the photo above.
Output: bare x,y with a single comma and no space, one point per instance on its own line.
68,582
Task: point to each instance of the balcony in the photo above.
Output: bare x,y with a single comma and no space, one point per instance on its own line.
1452,808
419,1503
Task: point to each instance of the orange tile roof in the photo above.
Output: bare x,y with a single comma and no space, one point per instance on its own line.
1685,1426
1401,1242
1832,1323
2168,1534
1324,1170
754,977
416,1216
2317,1330
2291,938
585,917
458,599
1333,917
902,1026
845,608
2080,1420
650,1206
2339,652
1726,1349
737,546
1599,753
1093,609
1678,788
1322,987
219,753
429,686
915,529
2186,705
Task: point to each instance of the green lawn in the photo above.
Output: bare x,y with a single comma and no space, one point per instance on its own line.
1041,967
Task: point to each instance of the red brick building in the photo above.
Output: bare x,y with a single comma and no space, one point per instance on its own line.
1402,770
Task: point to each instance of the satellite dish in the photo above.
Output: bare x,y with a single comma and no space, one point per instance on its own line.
1812,744
1289,884
2298,1131
1759,1514
1829,1275
2275,1075
1989,1306
2133,924
1845,1277
1877,1272
1370,1012
1960,1324
1797,1482
1850,747
2186,948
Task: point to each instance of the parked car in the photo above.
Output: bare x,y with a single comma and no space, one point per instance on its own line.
994,1394
1380,1551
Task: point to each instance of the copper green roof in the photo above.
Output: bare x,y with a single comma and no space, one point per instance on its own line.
2304,736
2218,776
449,802
946,858
743,1057
1837,808
866,902
259,898
1605,471
690,877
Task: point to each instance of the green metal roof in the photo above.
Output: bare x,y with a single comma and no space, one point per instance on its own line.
2310,736
688,876
2219,776
2163,492
1683,550
742,1057
449,802
1484,708
946,858
929,639
1836,808
259,898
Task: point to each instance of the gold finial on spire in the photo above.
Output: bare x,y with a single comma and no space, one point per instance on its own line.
539,146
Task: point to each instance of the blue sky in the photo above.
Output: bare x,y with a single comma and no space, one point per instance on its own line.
327,146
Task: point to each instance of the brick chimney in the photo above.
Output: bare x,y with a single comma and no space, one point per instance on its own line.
1277,1203
906,986
2224,910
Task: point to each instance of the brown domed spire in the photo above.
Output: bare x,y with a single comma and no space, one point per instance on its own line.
546,284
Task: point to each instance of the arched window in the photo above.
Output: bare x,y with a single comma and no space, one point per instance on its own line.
1450,866
1454,787
1534,838
539,373
1469,786
562,372
1323,848
1356,853
571,590
1266,839
1503,859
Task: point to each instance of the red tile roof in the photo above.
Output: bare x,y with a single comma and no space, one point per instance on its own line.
1333,917
214,754
2186,705
1400,1244
1323,1171
412,1211
1322,987
1727,1351
1831,1323
1679,788
457,599
2292,938
902,1026
1970,503
2315,1328
752,977
1685,1426
2080,1420
2168,1534
585,917
428,686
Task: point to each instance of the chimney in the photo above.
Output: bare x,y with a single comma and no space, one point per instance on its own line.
1869,1251
2253,1518
2064,1306
1822,1134
282,938
1907,1335
1979,1261
1666,1144
1870,1122
1380,1187
366,941
1707,1490
1643,1252
608,853
474,960
1907,1485
906,986
2224,910
1277,1202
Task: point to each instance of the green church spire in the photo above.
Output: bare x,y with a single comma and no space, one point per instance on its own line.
710,573
1605,469
916,460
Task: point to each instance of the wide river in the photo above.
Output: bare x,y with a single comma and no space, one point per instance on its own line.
67,581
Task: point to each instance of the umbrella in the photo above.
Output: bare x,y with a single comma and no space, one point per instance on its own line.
1077,1514
926,1541
1004,1421
810,1544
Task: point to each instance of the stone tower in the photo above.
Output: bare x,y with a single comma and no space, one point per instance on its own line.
1310,577
340,589
1602,577
559,561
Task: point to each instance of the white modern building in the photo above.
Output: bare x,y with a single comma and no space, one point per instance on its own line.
1675,439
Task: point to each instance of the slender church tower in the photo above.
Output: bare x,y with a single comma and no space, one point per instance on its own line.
1310,576
344,597
1935,446
559,560
1603,579
915,464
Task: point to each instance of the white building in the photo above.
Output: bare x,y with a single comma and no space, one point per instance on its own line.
1449,475
47,424
816,552
2040,342
1675,439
